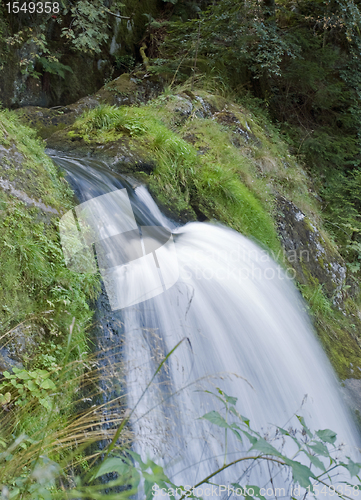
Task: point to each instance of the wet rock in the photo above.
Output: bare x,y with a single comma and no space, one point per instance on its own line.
228,119
7,362
205,110
309,252
183,108
48,121
121,155
351,389
19,347
129,89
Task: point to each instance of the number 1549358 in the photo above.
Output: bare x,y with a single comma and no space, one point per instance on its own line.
33,7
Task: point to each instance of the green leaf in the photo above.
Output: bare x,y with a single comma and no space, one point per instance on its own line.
5,398
352,467
30,384
251,438
43,373
234,428
229,399
45,402
301,474
14,493
244,419
48,384
327,436
215,418
23,375
306,429
112,464
316,461
320,449
265,447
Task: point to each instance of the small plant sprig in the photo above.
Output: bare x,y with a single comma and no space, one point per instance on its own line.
316,448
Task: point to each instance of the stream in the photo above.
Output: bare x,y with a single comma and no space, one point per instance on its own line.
240,323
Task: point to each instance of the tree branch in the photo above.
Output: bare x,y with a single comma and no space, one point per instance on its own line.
116,15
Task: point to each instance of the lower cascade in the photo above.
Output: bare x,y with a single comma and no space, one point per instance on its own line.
240,328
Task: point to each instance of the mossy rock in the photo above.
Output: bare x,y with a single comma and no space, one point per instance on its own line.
123,91
309,252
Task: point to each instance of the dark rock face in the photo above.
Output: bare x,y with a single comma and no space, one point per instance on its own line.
48,121
17,179
122,91
6,361
309,252
19,346
230,120
19,90
351,389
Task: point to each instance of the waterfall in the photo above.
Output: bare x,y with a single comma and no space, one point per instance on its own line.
242,326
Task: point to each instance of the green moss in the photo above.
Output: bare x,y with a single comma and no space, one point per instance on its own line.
339,337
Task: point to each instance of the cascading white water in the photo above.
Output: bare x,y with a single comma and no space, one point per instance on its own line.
245,332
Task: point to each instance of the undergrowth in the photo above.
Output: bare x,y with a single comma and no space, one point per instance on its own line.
90,457
41,299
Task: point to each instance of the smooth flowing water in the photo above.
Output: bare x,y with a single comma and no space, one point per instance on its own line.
244,330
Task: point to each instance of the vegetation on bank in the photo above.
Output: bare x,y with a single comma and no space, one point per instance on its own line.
44,312
226,166
198,168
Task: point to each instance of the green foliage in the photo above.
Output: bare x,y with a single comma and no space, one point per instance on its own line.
343,213
317,302
126,62
111,118
34,275
86,32
232,37
52,65
40,297
303,62
41,475
27,385
84,27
